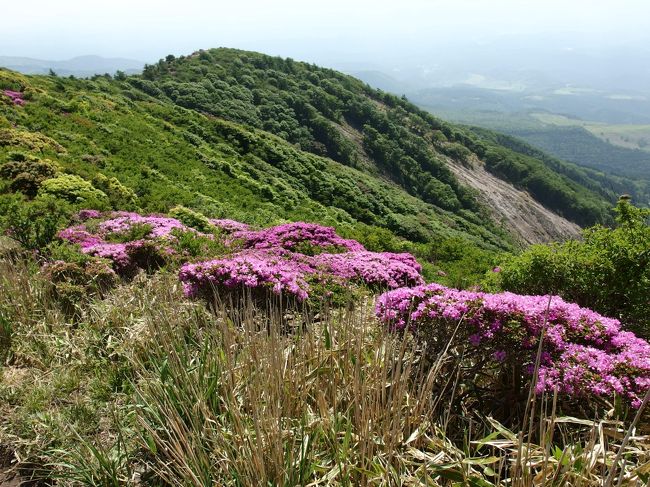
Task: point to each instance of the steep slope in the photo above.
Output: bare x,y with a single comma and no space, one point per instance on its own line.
313,107
526,217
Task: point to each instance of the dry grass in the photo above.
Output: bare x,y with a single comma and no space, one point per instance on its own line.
146,388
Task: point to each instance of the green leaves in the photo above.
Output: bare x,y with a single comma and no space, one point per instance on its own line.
609,271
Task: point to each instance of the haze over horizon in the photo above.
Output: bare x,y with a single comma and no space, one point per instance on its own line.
335,32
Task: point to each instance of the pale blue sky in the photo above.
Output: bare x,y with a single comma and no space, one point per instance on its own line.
315,31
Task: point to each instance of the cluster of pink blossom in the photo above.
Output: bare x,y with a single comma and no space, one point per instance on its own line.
583,352
84,215
229,226
290,272
282,258
379,269
297,237
249,269
125,255
285,258
161,226
16,96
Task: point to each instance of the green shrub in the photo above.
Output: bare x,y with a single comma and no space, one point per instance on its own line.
66,252
375,239
149,255
191,218
460,263
26,173
188,245
33,224
119,196
608,271
74,189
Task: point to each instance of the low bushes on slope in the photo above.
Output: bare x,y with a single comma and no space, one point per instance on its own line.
296,259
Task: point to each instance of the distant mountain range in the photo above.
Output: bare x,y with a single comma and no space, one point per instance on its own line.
80,66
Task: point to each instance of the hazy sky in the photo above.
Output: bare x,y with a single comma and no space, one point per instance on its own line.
315,31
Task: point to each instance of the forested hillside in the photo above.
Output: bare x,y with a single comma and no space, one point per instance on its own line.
265,140
599,178
327,113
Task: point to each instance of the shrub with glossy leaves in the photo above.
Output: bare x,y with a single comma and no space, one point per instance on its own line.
33,224
119,195
26,173
191,218
74,189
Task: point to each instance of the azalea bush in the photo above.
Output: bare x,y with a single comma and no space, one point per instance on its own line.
257,272
294,261
16,97
298,262
128,240
305,238
294,275
492,341
227,225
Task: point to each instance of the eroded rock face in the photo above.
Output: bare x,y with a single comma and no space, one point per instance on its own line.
528,220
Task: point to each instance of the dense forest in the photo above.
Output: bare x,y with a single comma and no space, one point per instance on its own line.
578,145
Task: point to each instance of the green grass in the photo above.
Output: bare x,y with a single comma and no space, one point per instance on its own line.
622,135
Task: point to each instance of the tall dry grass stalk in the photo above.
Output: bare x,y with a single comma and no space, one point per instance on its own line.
236,400
260,398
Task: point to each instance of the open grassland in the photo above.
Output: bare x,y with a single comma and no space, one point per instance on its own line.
622,135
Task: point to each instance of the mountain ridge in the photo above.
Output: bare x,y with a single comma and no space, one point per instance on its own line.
81,66
239,134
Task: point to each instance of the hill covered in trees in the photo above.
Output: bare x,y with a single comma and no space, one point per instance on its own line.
265,140
330,114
